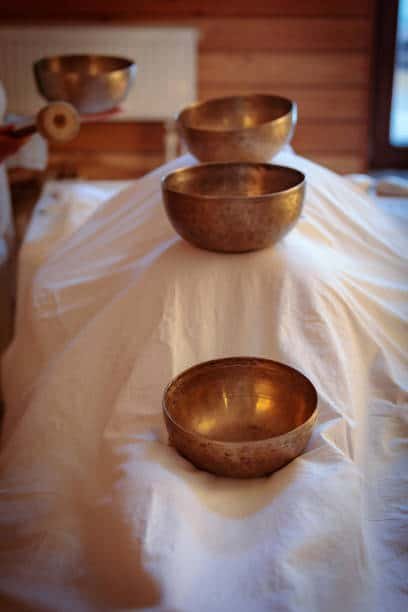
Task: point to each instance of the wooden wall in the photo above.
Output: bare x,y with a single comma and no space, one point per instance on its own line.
317,52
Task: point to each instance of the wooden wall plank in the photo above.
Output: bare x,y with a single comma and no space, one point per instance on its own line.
116,137
306,69
124,166
336,103
112,138
95,165
334,137
128,166
125,10
316,52
283,34
342,164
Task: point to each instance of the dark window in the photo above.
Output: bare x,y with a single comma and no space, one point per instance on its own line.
390,127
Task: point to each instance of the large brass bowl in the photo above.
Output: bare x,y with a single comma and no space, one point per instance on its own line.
91,83
233,207
240,417
238,128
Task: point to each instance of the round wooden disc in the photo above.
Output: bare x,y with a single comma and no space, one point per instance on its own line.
58,122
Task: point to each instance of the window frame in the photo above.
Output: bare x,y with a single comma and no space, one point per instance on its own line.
383,154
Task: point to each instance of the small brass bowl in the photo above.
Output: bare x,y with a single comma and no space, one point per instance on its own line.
233,207
238,128
91,83
240,417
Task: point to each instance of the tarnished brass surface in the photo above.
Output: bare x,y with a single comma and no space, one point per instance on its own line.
91,83
241,416
238,128
233,207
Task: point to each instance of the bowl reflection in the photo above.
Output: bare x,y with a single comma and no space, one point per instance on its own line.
91,83
233,207
238,128
240,416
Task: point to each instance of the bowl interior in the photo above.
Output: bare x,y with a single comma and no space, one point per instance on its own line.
235,113
233,180
240,399
86,65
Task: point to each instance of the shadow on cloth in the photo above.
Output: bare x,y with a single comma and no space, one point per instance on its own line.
229,497
115,577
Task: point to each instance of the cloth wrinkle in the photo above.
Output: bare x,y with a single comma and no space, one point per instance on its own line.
99,513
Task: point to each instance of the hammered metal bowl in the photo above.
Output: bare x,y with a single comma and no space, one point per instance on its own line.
238,128
91,83
233,207
240,417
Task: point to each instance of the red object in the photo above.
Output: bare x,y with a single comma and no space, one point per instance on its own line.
10,142
89,117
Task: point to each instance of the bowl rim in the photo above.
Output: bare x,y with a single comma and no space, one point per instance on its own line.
41,69
262,196
235,444
197,104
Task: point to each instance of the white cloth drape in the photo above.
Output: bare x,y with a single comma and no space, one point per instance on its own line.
97,512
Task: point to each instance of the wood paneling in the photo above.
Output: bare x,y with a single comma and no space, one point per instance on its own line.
317,52
110,150
126,137
336,103
126,10
301,69
283,34
101,165
118,152
342,163
331,137
312,135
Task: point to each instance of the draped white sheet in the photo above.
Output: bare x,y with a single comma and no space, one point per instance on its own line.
97,512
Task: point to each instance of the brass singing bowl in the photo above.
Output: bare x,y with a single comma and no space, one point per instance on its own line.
238,128
240,417
91,83
233,207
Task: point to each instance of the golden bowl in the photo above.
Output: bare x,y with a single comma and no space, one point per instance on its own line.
91,83
233,207
240,417
238,128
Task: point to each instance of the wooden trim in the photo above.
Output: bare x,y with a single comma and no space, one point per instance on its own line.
126,10
316,52
306,69
116,137
343,164
331,137
335,103
136,137
383,154
95,165
129,166
283,34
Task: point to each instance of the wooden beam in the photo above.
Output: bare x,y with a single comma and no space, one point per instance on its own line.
116,137
306,69
125,10
283,34
343,164
336,103
95,166
330,137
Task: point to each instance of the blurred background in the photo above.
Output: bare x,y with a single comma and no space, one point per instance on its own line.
344,62
334,58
